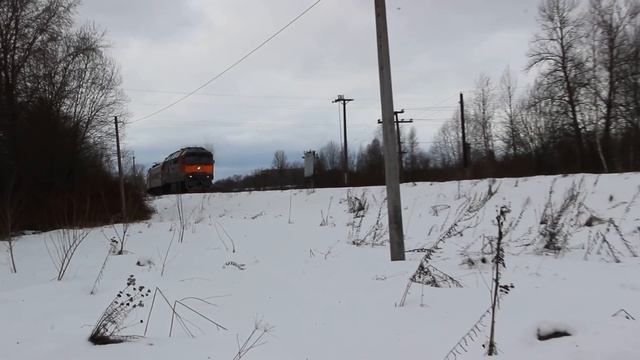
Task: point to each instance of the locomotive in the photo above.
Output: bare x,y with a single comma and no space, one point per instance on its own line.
189,169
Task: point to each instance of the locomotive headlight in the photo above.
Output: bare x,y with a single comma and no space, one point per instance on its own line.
198,167
190,176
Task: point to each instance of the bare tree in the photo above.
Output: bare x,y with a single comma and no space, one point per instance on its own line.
414,153
539,126
510,134
481,121
631,95
611,20
62,248
280,163
27,28
279,160
556,50
58,92
329,156
371,161
446,149
7,220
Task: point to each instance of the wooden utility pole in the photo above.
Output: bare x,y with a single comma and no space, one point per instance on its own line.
465,145
398,122
122,199
391,173
345,155
135,172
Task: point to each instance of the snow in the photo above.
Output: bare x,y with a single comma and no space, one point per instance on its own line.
325,298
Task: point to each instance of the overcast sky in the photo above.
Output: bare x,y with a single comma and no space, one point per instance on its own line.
280,97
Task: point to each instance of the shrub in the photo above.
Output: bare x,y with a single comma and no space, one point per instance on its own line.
111,323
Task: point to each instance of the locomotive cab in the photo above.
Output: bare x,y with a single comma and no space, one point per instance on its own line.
197,167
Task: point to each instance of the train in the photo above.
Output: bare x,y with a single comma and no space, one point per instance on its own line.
189,169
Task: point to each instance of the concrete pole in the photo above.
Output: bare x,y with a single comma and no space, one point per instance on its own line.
394,207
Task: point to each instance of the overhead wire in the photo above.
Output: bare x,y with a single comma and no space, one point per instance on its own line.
439,104
174,92
236,63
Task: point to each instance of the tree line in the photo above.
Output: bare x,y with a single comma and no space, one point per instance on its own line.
59,91
365,167
582,112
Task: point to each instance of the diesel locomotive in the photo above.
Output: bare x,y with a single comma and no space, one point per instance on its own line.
189,169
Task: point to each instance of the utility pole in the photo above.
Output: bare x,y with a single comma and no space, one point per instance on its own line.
398,122
122,200
345,155
391,174
135,174
465,145
401,170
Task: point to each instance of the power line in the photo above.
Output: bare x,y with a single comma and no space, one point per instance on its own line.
435,107
175,92
292,97
433,119
439,103
444,108
230,66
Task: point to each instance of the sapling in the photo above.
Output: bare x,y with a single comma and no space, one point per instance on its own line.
63,246
7,217
499,290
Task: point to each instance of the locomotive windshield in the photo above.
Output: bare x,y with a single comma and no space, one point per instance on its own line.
202,158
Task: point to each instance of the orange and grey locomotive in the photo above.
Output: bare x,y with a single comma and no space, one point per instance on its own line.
189,169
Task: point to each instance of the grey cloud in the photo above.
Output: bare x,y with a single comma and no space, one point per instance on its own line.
146,20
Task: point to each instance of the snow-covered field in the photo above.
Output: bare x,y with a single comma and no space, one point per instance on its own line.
296,273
